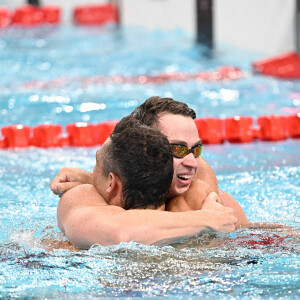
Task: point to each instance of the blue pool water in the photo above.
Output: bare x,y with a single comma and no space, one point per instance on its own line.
44,78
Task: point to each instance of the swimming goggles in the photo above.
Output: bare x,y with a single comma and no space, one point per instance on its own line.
181,151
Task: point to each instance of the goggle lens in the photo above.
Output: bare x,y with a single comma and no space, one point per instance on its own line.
181,151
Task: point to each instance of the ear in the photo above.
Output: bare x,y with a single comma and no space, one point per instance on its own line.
114,185
114,190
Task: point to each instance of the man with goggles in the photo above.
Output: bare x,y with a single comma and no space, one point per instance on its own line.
180,151
193,178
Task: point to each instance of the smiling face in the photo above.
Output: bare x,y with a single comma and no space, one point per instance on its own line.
181,130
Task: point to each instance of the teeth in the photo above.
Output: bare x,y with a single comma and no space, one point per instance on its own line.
185,177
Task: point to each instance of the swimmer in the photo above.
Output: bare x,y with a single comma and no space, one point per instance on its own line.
193,178
132,176
176,120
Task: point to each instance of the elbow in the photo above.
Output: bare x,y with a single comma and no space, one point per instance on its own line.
127,233
121,234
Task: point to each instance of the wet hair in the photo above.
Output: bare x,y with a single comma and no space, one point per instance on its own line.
142,158
149,112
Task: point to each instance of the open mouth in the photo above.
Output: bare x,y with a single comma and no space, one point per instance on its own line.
184,177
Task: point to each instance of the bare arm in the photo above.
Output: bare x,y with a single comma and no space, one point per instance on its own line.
86,219
67,178
206,182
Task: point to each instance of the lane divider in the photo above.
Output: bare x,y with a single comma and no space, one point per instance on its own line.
96,14
223,73
31,16
237,129
285,66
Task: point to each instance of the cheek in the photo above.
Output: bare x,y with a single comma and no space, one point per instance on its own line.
176,163
94,173
96,177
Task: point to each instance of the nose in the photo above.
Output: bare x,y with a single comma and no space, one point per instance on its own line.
190,161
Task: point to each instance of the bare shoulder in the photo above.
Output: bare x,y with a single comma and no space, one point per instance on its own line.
192,199
205,173
229,201
82,195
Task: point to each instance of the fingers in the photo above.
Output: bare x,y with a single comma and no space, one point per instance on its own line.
211,202
60,188
211,197
229,228
68,178
63,181
224,218
61,176
228,221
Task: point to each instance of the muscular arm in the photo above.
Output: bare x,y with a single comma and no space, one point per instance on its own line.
68,178
86,219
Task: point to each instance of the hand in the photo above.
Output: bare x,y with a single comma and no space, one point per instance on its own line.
222,219
67,178
212,201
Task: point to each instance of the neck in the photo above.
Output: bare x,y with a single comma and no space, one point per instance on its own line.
115,200
162,207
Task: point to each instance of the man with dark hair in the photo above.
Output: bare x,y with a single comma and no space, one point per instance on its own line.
140,158
194,187
134,169
149,112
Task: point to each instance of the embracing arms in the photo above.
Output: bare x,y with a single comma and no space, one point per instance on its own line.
68,178
86,219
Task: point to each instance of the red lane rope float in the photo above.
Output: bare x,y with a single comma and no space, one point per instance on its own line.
16,136
84,134
222,74
237,129
47,135
96,14
210,130
5,17
30,15
286,65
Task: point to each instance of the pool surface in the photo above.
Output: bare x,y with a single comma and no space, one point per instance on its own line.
48,74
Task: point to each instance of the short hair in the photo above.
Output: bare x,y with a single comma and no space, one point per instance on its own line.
142,158
149,112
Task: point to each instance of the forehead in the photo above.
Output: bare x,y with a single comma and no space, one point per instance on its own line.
178,128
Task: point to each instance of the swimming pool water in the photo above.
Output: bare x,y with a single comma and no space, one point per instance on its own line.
44,78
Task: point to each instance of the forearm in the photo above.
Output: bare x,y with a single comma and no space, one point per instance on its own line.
142,226
86,219
161,227
68,178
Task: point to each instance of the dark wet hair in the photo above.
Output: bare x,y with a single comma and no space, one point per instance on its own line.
149,112
142,158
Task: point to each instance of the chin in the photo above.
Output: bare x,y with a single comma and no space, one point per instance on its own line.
175,191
